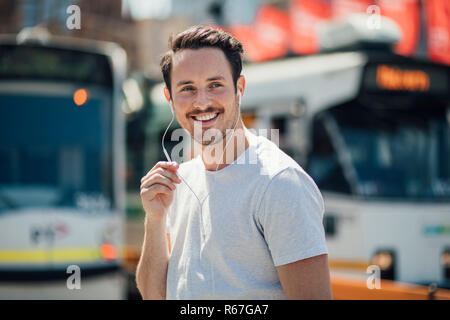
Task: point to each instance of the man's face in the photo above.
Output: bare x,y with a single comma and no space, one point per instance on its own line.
203,93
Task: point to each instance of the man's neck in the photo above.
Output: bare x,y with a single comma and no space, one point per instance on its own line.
216,157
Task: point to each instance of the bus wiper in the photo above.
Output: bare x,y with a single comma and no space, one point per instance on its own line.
342,152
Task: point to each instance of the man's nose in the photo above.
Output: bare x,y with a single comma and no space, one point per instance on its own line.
202,100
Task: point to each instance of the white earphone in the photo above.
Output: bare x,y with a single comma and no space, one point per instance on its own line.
171,106
226,144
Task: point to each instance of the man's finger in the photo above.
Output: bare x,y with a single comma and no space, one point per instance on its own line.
158,179
171,166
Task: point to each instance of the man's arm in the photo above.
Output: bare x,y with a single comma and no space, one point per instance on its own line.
157,193
151,272
306,279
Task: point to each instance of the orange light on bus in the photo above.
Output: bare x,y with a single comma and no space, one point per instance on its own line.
80,97
108,252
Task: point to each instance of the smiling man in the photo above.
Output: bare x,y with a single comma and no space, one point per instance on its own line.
238,229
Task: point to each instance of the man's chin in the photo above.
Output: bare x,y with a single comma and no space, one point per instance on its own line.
206,138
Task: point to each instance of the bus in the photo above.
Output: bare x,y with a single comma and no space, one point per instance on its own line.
62,163
372,128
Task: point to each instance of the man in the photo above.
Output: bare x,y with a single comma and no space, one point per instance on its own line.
238,230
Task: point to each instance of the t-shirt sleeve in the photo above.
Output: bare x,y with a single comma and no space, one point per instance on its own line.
291,215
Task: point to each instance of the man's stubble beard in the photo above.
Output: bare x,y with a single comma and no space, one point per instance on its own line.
216,137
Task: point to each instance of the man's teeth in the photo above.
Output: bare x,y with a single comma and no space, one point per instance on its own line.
206,117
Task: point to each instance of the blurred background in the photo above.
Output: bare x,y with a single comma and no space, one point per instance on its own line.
358,89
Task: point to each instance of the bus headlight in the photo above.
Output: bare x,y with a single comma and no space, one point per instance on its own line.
108,252
445,262
385,259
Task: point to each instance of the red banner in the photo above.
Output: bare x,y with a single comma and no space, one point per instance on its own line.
306,15
268,37
274,31
406,13
438,30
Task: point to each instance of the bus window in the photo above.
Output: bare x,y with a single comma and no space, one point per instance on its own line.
397,153
443,134
280,123
323,164
284,126
51,151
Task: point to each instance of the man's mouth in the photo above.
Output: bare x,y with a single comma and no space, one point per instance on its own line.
206,117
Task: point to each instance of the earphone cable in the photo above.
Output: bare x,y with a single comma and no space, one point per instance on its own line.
181,177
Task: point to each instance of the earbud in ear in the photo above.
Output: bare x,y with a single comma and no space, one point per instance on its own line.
239,98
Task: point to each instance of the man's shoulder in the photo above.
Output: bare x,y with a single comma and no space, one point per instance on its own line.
281,171
272,160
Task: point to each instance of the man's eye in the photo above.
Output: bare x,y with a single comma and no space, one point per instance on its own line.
187,89
216,85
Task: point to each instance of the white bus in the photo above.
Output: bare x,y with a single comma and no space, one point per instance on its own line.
61,168
373,130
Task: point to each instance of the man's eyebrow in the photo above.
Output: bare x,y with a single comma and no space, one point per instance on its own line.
184,82
215,78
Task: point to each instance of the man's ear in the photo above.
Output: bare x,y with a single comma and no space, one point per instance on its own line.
167,94
240,84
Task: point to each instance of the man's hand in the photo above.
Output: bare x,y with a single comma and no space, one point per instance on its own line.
157,188
306,279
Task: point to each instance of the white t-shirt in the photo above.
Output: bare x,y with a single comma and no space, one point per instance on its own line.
259,212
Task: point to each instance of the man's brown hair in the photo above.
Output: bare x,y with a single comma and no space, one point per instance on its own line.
204,37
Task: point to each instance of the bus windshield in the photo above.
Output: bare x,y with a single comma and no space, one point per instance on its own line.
397,153
54,153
